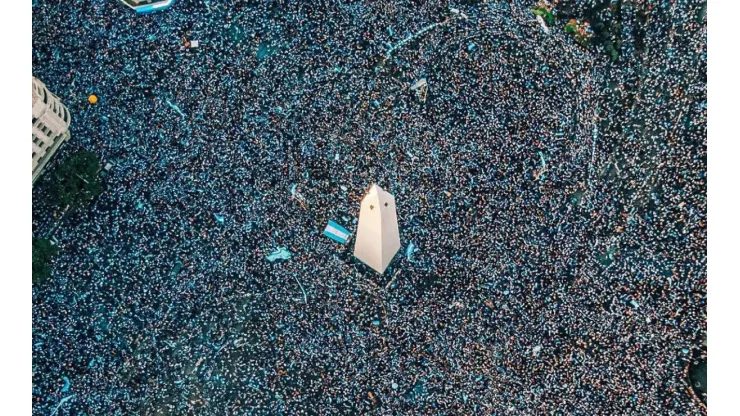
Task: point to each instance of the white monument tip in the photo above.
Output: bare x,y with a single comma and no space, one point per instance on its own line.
377,230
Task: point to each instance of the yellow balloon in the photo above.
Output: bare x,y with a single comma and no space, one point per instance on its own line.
92,99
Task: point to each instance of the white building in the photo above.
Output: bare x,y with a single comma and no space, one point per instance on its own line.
49,126
377,230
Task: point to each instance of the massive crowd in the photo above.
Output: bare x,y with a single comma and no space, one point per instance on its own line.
557,201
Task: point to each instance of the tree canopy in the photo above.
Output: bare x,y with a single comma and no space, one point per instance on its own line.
43,252
75,182
546,14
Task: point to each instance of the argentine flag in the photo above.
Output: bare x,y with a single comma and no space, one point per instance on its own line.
336,232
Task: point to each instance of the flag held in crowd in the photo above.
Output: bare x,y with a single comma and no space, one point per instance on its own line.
336,232
281,253
410,250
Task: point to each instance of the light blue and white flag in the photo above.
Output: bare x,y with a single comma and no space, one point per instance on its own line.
336,232
281,253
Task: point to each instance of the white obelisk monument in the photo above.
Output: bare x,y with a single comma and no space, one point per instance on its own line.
377,238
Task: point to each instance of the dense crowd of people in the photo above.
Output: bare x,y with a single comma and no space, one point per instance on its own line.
557,202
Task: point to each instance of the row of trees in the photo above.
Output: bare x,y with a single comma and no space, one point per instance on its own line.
71,185
591,23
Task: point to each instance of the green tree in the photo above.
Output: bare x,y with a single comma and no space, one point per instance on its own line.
43,252
546,14
75,182
614,55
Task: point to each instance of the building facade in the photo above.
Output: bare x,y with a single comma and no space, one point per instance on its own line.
50,126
